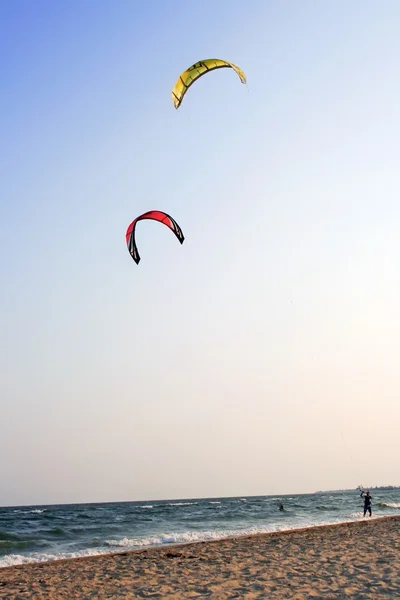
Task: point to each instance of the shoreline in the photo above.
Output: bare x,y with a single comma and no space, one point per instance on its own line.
331,561
238,536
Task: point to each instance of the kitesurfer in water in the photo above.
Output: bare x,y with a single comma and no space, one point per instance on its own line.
367,502
281,507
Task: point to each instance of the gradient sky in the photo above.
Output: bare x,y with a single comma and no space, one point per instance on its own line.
263,355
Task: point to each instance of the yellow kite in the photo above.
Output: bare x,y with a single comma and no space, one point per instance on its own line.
197,70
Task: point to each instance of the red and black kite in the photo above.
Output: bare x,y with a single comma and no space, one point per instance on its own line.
155,215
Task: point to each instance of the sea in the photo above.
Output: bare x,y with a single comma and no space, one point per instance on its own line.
44,533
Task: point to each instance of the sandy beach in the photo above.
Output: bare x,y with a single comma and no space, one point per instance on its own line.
353,560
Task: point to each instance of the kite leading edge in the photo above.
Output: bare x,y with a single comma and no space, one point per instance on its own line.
198,70
154,215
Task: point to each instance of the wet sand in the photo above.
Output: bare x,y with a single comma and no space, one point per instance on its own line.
353,560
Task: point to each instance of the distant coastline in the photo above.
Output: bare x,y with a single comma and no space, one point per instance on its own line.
379,487
361,487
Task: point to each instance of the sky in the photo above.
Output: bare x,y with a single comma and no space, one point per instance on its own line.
262,356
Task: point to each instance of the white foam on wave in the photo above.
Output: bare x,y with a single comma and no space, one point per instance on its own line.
112,546
360,515
12,560
182,503
391,504
33,511
146,506
204,536
182,538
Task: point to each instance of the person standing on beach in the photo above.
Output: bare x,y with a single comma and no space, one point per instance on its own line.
367,503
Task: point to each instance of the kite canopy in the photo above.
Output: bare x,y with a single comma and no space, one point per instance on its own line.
155,215
198,70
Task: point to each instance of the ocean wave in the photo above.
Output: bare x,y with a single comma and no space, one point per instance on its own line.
389,504
33,511
56,531
12,560
10,542
4,536
182,538
182,503
187,537
10,545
